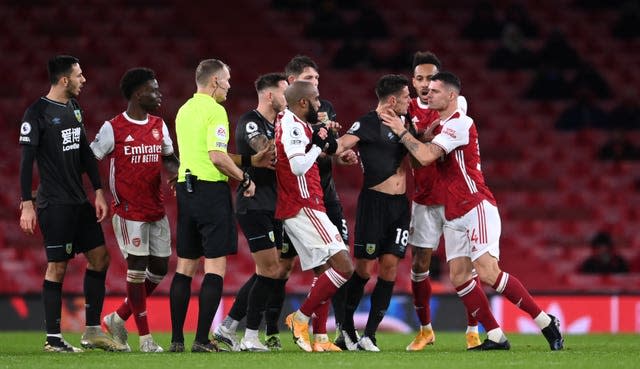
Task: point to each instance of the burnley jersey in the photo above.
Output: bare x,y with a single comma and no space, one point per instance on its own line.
380,149
424,177
250,125
135,149
460,175
293,138
62,150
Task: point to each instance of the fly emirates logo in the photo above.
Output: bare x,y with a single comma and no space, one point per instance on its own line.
143,153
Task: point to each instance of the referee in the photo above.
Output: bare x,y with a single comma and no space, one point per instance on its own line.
206,225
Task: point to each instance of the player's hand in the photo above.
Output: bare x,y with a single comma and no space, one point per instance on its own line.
265,158
319,137
102,209
27,217
392,121
348,157
428,135
333,126
250,191
171,181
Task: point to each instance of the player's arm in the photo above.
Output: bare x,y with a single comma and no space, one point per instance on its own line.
104,142
346,142
261,159
27,208
90,165
424,153
295,142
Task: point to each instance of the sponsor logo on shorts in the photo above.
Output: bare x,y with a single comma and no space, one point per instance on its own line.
272,236
338,238
68,248
136,242
370,248
285,248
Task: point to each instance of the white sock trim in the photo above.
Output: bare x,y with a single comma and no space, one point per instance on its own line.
419,277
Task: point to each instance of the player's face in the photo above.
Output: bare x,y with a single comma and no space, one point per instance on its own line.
309,75
149,96
439,96
421,77
402,100
74,81
222,85
278,102
314,106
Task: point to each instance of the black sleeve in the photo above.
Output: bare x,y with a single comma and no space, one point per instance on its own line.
26,171
364,128
89,162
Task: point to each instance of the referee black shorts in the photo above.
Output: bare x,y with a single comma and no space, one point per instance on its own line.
261,229
382,225
206,225
69,230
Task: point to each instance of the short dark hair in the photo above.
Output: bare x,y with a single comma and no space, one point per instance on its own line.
59,66
296,66
390,84
269,80
449,79
425,57
133,79
208,68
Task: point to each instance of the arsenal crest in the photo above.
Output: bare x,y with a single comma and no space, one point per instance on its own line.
155,133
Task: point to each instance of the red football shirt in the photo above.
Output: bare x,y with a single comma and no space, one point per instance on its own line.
293,137
460,174
424,177
135,150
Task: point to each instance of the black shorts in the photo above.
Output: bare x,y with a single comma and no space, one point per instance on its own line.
334,212
261,230
382,225
206,225
69,230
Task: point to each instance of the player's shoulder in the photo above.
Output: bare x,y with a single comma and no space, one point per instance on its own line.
365,122
37,106
250,116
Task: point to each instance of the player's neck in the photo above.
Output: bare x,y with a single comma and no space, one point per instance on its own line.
267,112
58,95
446,113
136,112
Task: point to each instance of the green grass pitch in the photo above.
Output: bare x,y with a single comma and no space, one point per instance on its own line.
24,350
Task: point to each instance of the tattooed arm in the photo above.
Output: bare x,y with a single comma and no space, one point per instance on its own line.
424,153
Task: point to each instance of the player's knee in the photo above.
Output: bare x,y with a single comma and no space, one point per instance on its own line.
158,266
56,271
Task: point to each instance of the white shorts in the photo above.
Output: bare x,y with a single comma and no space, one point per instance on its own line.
314,236
474,233
142,238
426,225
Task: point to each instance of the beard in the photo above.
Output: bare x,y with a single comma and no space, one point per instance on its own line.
312,115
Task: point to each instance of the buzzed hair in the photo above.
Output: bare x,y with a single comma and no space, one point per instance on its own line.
59,66
208,68
296,66
297,91
133,79
390,84
269,80
448,78
425,57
